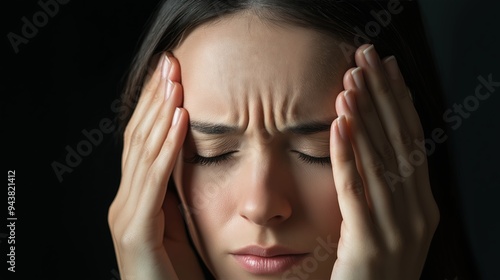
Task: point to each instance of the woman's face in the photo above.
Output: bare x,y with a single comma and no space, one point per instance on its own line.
254,173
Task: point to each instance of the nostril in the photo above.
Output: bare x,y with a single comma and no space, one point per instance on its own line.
268,215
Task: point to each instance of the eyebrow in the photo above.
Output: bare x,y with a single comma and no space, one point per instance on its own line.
212,128
310,128
220,129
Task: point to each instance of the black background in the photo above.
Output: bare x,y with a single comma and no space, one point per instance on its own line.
64,80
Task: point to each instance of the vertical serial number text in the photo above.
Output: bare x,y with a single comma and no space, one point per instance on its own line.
11,220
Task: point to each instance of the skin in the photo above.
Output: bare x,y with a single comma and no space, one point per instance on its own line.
266,195
263,79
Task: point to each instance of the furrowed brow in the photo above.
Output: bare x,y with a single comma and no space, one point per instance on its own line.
212,128
220,129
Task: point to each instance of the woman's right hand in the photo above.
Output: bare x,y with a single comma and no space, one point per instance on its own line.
148,233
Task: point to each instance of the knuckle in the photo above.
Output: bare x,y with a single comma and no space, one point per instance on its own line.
130,239
149,86
112,213
354,186
163,115
169,143
425,227
153,176
147,153
137,137
128,132
114,218
157,97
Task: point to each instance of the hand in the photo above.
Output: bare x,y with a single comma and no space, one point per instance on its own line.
389,213
146,225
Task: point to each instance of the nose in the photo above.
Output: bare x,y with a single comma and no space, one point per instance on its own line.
266,196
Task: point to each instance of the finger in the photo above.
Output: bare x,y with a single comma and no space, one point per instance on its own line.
384,101
175,70
149,94
134,141
154,143
121,218
170,68
394,123
416,157
376,132
370,166
153,193
425,206
354,80
128,166
412,120
395,129
348,183
403,97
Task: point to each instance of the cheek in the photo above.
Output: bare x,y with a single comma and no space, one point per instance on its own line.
209,195
206,191
318,194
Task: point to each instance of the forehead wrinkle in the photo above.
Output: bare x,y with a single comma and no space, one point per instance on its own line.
233,91
280,102
276,100
260,119
288,91
289,106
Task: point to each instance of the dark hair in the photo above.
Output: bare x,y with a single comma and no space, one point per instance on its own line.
394,28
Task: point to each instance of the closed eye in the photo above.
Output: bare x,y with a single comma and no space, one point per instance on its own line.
215,160
219,159
323,161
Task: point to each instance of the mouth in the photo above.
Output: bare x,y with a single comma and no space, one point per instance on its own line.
272,260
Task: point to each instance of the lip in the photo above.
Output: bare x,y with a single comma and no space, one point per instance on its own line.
271,260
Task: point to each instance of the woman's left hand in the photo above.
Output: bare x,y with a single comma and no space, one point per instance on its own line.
381,176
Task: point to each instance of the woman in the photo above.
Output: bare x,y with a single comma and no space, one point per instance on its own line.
290,142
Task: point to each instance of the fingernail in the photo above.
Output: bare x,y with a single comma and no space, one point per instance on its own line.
351,103
391,65
357,76
177,115
371,56
170,88
342,124
166,67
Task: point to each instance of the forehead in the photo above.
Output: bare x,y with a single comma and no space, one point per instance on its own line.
243,54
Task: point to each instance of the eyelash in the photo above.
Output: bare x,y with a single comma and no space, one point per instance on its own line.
216,160
323,161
